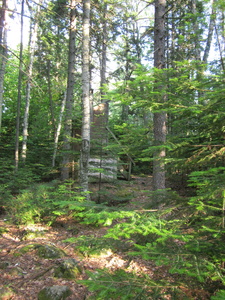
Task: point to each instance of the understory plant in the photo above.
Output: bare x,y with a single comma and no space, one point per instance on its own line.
44,202
187,239
125,285
47,201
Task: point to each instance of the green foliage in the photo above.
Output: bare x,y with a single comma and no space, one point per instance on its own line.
156,239
92,245
44,202
11,182
119,197
219,295
3,230
198,253
188,235
93,216
33,204
126,285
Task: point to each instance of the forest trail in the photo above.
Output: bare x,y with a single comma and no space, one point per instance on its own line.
26,273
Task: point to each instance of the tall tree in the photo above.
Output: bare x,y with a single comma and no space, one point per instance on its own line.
159,119
19,92
86,124
69,95
32,45
103,57
3,50
211,27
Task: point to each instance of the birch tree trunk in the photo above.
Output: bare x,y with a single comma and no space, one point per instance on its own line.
3,50
19,92
65,170
32,45
57,133
86,124
159,119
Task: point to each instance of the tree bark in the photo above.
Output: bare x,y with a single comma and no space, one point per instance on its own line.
65,170
19,92
159,119
58,130
3,50
32,44
103,65
86,124
50,97
103,59
210,33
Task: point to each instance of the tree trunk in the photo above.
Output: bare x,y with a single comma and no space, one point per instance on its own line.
196,31
50,97
57,133
3,50
159,119
32,44
103,59
69,95
210,33
19,92
103,81
86,124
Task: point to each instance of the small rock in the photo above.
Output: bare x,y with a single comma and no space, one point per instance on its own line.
49,251
55,292
27,248
68,269
4,264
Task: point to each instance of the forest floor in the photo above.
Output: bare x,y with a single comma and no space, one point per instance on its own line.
26,273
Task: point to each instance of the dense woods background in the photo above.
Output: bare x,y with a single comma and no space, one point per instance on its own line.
119,89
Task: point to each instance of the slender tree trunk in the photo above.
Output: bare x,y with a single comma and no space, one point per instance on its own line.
32,44
57,133
50,97
159,119
69,95
125,107
103,65
86,124
103,54
19,92
210,33
196,30
220,49
3,50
